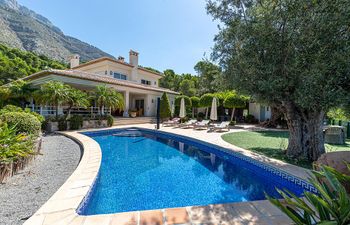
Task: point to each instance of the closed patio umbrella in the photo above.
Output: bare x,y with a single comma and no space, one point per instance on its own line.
182,108
214,110
172,110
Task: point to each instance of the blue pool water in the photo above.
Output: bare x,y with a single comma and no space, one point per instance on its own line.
142,170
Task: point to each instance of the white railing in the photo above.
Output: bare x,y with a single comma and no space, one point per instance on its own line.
51,110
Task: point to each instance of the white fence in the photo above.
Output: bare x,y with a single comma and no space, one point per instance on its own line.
51,110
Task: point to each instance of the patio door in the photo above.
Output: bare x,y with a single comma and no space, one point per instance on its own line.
140,106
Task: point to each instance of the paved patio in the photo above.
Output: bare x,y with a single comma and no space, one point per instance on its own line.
61,208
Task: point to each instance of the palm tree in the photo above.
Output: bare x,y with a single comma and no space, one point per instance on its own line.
76,98
108,97
53,93
21,91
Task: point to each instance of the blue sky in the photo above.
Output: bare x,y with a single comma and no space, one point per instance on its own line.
167,33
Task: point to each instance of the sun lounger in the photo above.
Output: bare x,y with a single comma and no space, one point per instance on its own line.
187,124
221,126
172,122
201,125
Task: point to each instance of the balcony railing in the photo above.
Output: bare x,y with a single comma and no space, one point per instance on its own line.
62,110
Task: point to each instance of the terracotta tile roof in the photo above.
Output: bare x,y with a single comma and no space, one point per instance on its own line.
98,78
115,61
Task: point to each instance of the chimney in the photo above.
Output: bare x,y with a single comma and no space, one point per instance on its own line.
121,59
133,58
74,61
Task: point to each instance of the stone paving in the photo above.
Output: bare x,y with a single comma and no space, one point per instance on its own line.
61,208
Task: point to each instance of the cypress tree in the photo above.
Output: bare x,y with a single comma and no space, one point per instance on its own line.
165,111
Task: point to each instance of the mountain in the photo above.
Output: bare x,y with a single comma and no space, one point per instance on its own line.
24,29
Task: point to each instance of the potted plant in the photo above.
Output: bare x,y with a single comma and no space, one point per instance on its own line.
133,113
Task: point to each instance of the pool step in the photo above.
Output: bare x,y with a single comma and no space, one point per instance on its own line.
120,121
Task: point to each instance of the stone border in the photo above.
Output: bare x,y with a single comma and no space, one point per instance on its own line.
61,208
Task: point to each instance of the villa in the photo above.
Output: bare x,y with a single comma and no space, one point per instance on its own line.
139,86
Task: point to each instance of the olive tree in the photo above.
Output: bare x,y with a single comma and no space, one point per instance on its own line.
294,54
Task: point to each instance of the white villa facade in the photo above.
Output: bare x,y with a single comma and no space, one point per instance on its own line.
139,86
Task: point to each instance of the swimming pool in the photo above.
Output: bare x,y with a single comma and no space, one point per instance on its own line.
144,169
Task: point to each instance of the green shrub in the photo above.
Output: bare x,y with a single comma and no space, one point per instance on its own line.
330,206
22,122
13,145
200,116
110,120
250,119
10,108
165,111
76,122
37,115
62,123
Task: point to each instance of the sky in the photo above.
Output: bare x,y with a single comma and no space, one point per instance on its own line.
168,34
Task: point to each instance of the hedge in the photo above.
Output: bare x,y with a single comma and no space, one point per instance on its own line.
22,122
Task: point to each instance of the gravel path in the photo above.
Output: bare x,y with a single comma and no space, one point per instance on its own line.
24,193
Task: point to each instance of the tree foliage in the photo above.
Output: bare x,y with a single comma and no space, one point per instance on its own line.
234,101
187,99
20,92
77,98
292,54
187,87
195,101
15,64
210,77
165,110
206,100
53,93
108,97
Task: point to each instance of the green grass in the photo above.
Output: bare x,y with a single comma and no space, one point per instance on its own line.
273,144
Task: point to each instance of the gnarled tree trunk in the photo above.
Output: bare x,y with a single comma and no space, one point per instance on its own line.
305,132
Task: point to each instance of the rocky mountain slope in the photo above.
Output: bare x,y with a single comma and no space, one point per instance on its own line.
24,29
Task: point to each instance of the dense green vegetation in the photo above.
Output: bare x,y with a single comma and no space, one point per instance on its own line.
273,144
293,55
18,130
331,205
208,80
15,64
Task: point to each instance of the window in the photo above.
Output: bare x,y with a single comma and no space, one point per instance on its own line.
267,108
106,72
145,82
119,76
111,73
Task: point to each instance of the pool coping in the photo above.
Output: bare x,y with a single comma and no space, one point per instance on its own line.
61,208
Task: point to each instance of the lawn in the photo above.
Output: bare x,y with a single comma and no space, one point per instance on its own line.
273,144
